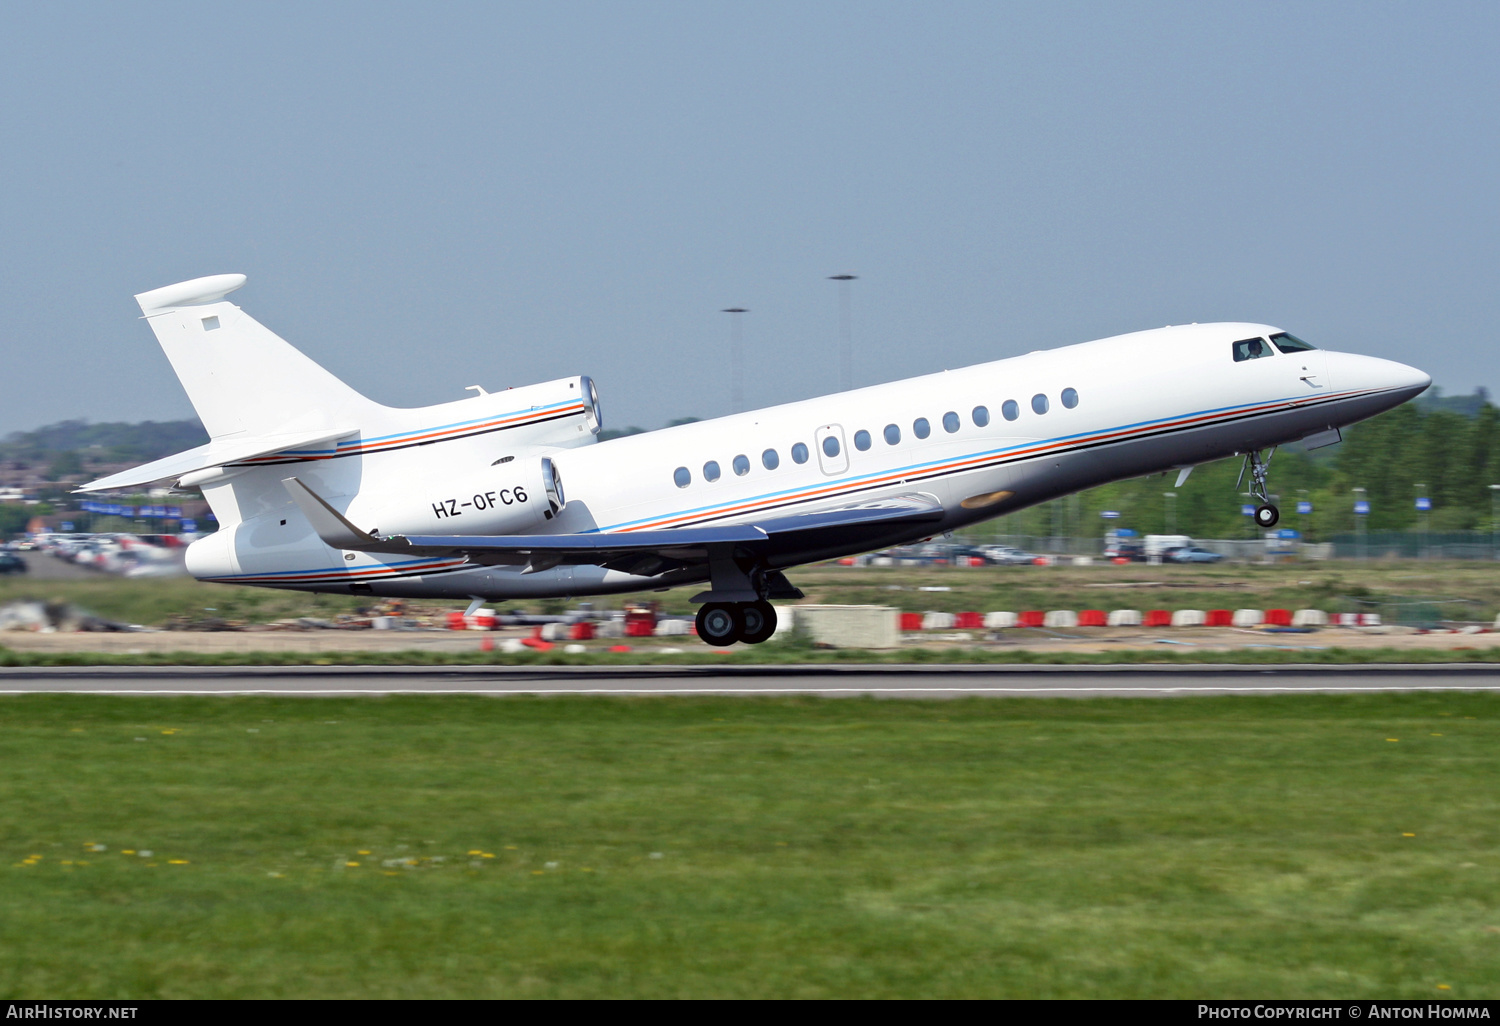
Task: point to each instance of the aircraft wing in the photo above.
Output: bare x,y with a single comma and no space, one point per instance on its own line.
646,553
214,454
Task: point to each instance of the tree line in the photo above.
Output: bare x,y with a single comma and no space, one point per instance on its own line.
1444,449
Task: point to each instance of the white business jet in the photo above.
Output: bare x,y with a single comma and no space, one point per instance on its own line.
509,494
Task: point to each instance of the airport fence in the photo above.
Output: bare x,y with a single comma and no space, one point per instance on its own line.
1475,545
1416,545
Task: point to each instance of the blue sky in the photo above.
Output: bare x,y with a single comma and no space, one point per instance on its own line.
429,196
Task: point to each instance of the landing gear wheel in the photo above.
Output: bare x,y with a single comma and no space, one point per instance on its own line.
719,624
760,622
1267,515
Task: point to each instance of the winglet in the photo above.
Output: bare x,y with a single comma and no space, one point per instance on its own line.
327,521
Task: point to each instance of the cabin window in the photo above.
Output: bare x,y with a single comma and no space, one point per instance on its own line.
770,460
682,476
950,422
892,435
711,471
1010,409
1039,403
861,439
799,453
1252,349
741,465
1070,397
981,416
830,446
921,428
1291,344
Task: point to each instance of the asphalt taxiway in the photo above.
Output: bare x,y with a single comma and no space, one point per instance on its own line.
826,681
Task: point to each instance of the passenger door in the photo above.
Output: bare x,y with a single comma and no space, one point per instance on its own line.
833,454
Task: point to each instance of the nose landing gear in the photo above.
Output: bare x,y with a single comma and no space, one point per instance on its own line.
723,623
1266,514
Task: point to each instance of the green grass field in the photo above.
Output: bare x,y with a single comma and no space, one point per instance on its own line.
1302,846
1467,590
775,654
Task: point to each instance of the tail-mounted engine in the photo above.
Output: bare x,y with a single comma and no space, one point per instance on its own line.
511,497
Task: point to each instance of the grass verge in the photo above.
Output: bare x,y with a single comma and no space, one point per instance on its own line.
763,655
1301,847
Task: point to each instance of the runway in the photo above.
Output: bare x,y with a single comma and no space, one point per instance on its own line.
909,682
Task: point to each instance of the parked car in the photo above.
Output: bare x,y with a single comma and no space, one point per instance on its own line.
1007,555
1191,554
10,563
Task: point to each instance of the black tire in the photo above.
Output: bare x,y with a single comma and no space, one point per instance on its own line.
1267,515
759,619
719,624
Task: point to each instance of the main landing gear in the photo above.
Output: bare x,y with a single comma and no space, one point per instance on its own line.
723,623
1266,514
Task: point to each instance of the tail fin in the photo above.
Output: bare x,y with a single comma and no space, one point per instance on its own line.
241,377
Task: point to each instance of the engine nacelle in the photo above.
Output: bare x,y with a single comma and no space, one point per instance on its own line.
510,498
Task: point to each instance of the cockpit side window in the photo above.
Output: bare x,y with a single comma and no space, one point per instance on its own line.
1252,349
1291,344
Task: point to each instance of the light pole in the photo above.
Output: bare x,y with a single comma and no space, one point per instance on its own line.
1494,521
1171,498
1423,505
736,359
1361,510
846,332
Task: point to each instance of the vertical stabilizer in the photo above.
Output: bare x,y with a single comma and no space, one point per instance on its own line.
241,377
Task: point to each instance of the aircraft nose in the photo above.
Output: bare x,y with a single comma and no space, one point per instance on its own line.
1408,382
1396,380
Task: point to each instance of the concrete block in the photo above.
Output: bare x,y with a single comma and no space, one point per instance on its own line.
610,629
1061,618
1124,618
554,632
848,626
937,621
1189,618
1309,618
1248,618
671,628
1000,621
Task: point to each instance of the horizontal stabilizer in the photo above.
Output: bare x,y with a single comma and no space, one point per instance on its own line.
214,454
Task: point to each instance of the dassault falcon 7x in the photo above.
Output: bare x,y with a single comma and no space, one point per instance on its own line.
510,494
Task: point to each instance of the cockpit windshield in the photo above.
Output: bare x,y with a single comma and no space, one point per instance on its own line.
1252,349
1291,344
